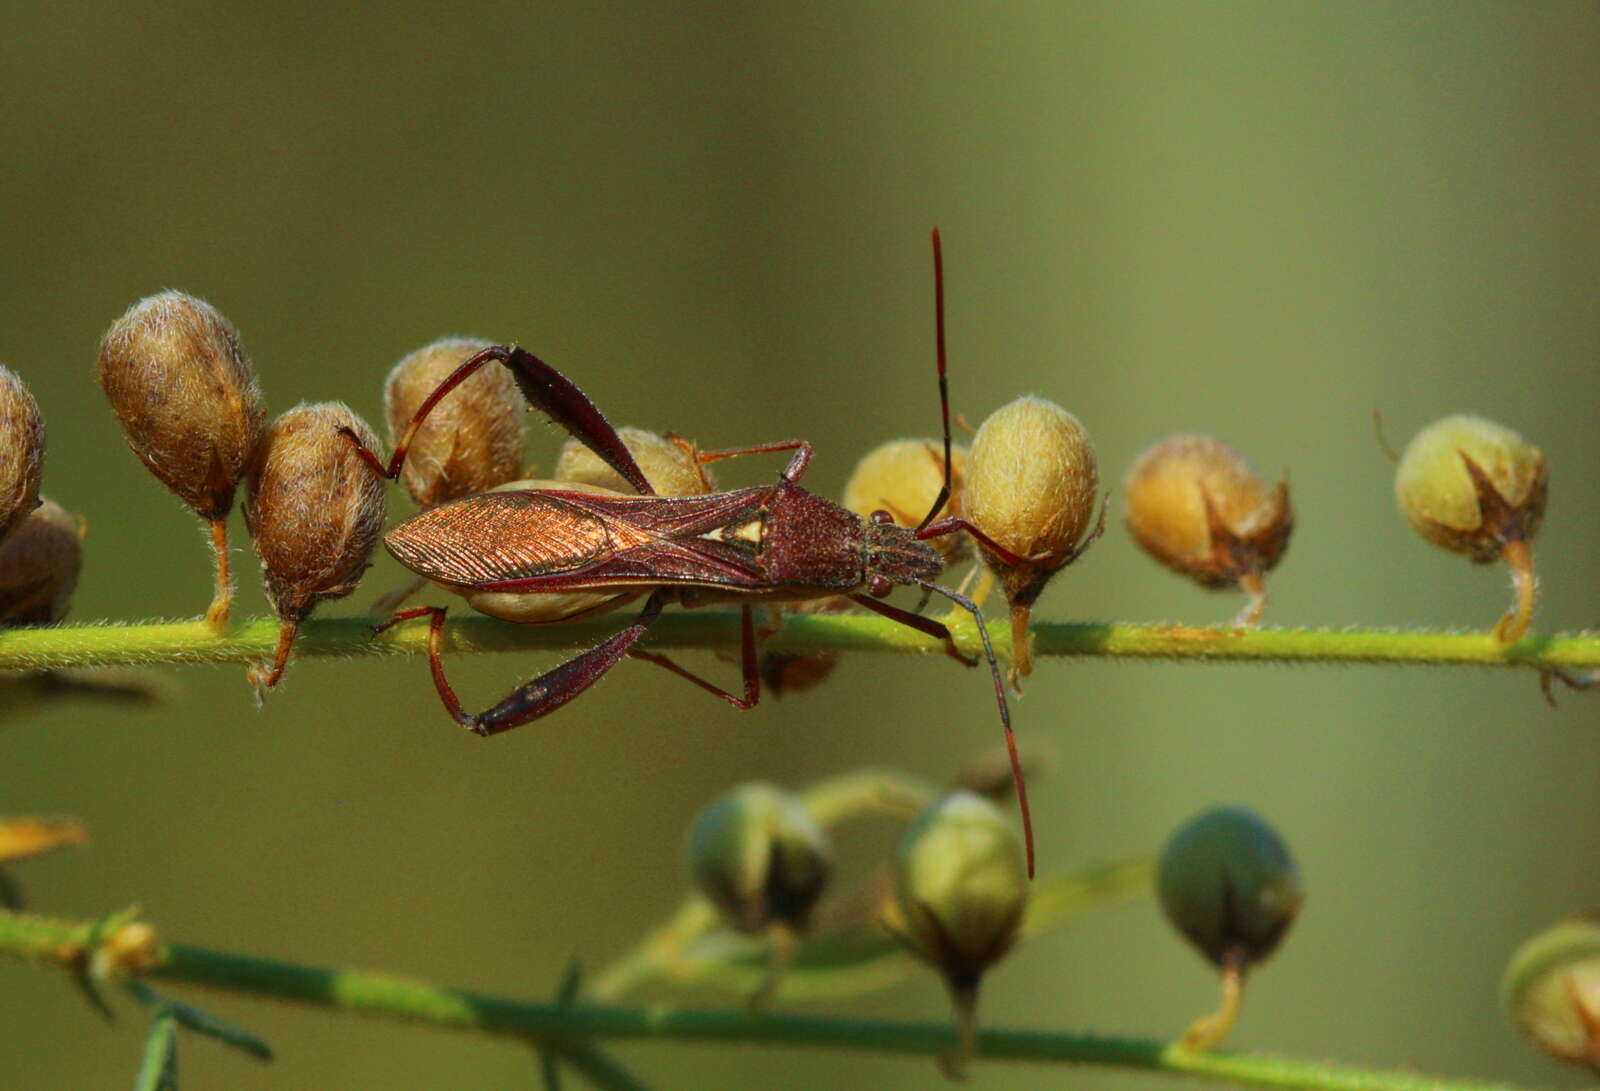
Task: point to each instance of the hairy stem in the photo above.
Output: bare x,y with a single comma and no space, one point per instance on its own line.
64,942
120,644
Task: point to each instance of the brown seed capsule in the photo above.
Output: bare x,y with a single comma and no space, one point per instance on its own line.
1195,506
903,477
783,673
473,440
21,452
1472,486
1030,489
39,566
183,388
670,463
314,510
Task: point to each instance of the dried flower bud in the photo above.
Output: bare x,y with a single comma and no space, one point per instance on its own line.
472,440
903,477
961,889
1472,486
784,673
21,452
1228,884
39,566
131,949
759,857
1552,990
21,838
314,510
183,388
1030,489
1195,506
670,463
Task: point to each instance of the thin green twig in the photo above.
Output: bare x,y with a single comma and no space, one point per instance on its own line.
119,644
50,940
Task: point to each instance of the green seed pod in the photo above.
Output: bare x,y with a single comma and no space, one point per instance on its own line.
759,857
1472,486
314,510
183,388
1228,884
39,566
1552,990
21,452
960,892
472,440
1195,506
1030,489
903,477
670,463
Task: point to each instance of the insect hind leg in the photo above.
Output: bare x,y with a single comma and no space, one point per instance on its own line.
748,661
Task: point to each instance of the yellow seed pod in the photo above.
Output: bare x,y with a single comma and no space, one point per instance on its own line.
1193,504
1475,487
472,440
903,477
183,388
670,463
1552,990
1030,489
21,451
314,510
39,566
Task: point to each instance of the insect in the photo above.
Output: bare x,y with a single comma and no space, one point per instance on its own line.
765,544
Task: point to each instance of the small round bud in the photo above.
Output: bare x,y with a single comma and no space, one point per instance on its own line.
670,463
1552,990
472,440
1194,505
21,451
1472,486
1030,489
39,566
1227,882
903,477
960,892
314,510
186,395
759,857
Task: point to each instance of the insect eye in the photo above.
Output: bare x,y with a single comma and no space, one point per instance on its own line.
879,586
881,517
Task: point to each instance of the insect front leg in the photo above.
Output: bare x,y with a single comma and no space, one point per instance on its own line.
936,629
791,473
557,396
748,660
545,693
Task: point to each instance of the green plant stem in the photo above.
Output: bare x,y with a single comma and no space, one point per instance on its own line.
64,942
120,644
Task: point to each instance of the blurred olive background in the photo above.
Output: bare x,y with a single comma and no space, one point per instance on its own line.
1261,220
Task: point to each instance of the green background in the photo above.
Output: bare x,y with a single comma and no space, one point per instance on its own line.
1260,220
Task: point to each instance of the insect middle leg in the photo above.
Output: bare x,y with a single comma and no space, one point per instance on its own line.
936,629
748,662
792,472
545,693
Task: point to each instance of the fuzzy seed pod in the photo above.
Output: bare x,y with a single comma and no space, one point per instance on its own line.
1030,489
903,477
960,893
39,566
183,388
1472,486
759,857
472,440
21,452
314,510
670,463
1552,990
1195,506
1228,884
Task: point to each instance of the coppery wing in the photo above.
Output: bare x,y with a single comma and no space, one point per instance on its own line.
500,536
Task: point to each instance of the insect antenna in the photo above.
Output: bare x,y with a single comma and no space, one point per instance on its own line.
944,383
1005,712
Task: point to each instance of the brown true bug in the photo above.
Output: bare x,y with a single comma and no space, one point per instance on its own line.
767,544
